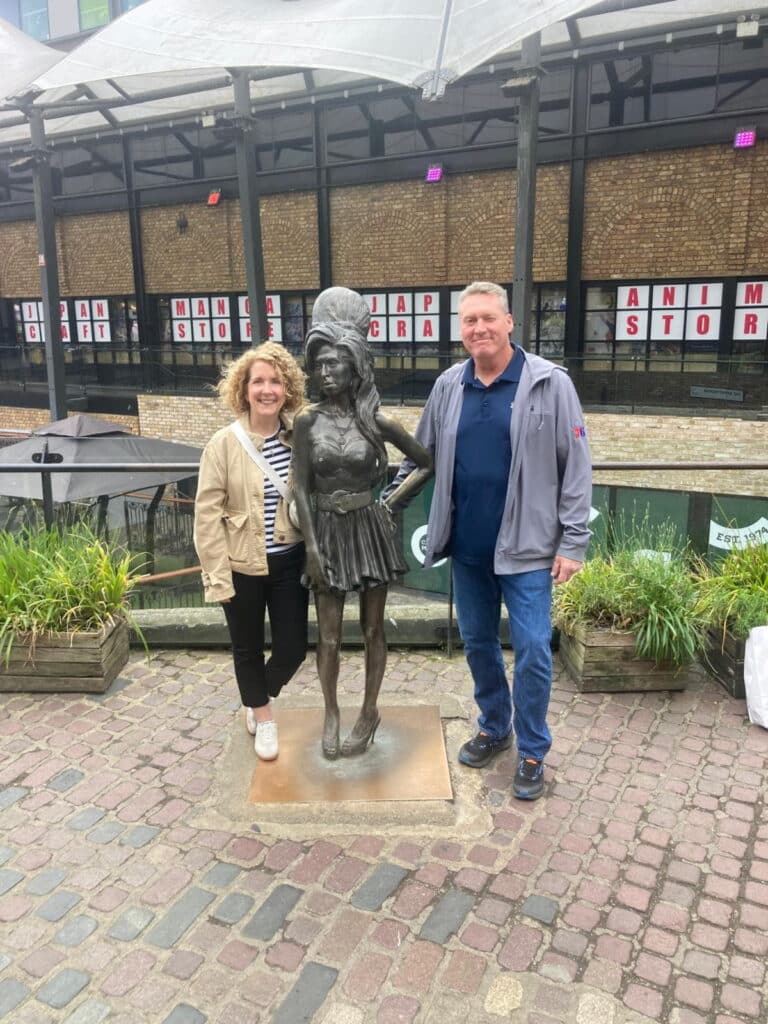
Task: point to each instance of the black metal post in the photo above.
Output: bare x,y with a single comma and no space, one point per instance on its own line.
45,218
573,301
323,203
526,191
249,207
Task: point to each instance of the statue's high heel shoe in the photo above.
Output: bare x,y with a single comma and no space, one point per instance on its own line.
331,745
356,742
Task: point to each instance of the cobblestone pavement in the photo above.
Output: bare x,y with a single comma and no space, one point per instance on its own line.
636,890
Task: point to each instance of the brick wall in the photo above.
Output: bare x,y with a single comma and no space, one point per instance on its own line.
633,438
687,212
17,418
94,255
208,256
387,235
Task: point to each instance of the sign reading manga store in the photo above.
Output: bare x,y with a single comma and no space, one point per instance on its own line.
404,316
204,318
91,321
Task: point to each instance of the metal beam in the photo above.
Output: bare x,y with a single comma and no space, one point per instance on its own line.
247,178
526,191
45,219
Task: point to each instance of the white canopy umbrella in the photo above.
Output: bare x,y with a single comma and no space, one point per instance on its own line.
420,43
22,59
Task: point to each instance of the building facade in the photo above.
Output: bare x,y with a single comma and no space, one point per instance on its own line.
651,241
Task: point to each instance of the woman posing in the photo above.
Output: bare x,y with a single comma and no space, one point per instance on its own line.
251,555
339,461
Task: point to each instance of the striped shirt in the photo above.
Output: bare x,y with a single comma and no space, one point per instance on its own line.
279,457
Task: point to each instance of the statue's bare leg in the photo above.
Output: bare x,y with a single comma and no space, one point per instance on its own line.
372,603
330,612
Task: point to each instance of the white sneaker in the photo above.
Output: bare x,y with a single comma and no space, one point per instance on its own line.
265,742
250,721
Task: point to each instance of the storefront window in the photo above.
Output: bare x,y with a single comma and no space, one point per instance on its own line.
34,18
93,13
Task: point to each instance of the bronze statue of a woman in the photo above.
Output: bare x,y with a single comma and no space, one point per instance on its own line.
340,460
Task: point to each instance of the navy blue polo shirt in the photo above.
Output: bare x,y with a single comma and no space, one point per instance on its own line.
481,467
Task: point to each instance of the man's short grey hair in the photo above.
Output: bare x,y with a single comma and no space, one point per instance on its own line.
486,288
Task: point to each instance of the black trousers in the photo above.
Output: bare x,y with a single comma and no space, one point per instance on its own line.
282,596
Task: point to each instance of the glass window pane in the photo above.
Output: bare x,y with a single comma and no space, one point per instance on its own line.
34,18
601,298
128,5
620,92
684,82
743,76
555,103
93,13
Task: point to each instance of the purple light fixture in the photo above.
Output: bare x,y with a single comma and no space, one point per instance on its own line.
434,173
745,137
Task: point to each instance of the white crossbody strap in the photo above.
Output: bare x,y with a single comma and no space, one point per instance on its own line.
277,482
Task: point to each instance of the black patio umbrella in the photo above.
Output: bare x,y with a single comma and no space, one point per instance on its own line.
88,440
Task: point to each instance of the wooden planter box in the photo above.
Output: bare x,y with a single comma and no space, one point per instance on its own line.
603,661
67,662
725,661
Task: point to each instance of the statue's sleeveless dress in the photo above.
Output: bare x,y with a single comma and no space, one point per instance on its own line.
360,547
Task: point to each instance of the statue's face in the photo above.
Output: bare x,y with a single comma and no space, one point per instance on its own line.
333,370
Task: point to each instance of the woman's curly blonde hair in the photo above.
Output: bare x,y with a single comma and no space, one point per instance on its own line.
233,386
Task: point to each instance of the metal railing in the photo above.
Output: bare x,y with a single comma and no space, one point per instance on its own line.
404,374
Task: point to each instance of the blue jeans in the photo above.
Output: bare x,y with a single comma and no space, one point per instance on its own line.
478,592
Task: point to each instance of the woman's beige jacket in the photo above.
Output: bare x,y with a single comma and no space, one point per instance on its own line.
229,511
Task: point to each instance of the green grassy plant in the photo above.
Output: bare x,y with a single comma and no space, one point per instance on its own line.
734,591
643,583
54,581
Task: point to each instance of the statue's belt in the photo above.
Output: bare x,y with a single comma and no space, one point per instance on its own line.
343,501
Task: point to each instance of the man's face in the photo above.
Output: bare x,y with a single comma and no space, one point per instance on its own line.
485,327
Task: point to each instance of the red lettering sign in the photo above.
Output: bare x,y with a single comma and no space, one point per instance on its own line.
82,311
401,306
32,332
704,294
221,307
181,331
222,330
374,330
270,306
64,332
402,329
667,319
99,312
84,331
180,307
427,302
632,324
100,329
428,329
633,298
750,323
201,307
702,323
753,293
668,295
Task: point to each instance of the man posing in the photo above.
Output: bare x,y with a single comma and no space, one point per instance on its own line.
511,506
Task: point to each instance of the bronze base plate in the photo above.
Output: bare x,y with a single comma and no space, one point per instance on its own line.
407,760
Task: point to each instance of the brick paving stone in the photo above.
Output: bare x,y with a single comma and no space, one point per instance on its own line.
221,875
307,995
181,916
315,862
603,975
128,972
66,780
396,1010
698,994
85,819
610,947
61,990
464,972
741,1000
185,1014
540,908
92,1011
9,878
447,916
182,964
366,977
131,924
233,908
41,962
12,992
642,999
11,795
58,905
238,955
378,887
271,915
76,930
521,947
105,832
45,882
139,836
709,937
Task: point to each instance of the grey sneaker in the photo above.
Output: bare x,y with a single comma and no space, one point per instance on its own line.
265,741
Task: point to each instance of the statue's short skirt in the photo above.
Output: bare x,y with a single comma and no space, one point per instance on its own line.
360,548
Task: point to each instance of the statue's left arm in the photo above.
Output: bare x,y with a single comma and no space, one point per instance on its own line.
396,434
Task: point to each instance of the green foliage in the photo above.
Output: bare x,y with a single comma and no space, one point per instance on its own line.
734,592
643,583
54,581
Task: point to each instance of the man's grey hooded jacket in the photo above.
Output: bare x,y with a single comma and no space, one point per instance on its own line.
549,492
